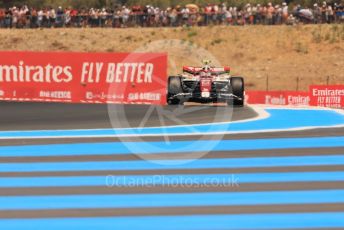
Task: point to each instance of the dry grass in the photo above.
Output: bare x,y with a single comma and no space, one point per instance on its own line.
281,53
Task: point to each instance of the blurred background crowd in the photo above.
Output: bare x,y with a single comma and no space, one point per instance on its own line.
25,16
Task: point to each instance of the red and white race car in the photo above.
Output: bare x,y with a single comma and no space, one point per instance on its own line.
206,84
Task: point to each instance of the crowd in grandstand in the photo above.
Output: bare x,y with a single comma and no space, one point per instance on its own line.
189,15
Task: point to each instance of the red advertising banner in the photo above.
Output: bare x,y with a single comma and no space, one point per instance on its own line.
293,98
83,77
327,95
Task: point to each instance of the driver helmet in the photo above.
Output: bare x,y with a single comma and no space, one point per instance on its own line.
206,64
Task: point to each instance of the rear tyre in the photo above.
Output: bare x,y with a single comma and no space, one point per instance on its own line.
174,88
238,89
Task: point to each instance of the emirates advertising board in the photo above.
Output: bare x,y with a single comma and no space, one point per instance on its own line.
126,78
290,98
327,95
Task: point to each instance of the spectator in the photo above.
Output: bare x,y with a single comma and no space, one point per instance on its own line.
52,17
317,13
46,19
259,15
330,14
22,17
59,17
324,13
103,17
254,14
235,15
15,15
125,15
75,18
40,18
291,20
173,16
207,10
339,13
277,15
229,17
67,17
264,13
33,18
185,15
2,18
117,19
285,12
8,18
215,12
269,14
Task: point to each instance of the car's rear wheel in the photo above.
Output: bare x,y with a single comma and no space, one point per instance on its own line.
238,89
174,88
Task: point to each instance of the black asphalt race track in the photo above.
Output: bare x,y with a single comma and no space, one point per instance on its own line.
43,116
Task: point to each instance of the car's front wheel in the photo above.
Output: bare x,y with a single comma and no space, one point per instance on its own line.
174,88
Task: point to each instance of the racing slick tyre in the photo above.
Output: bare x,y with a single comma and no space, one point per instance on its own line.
238,89
174,88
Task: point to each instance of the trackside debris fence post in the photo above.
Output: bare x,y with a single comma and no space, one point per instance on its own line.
327,80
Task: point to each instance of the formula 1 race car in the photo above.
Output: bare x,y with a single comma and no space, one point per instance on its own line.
206,84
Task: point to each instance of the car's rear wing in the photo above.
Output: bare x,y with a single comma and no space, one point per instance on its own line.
213,70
